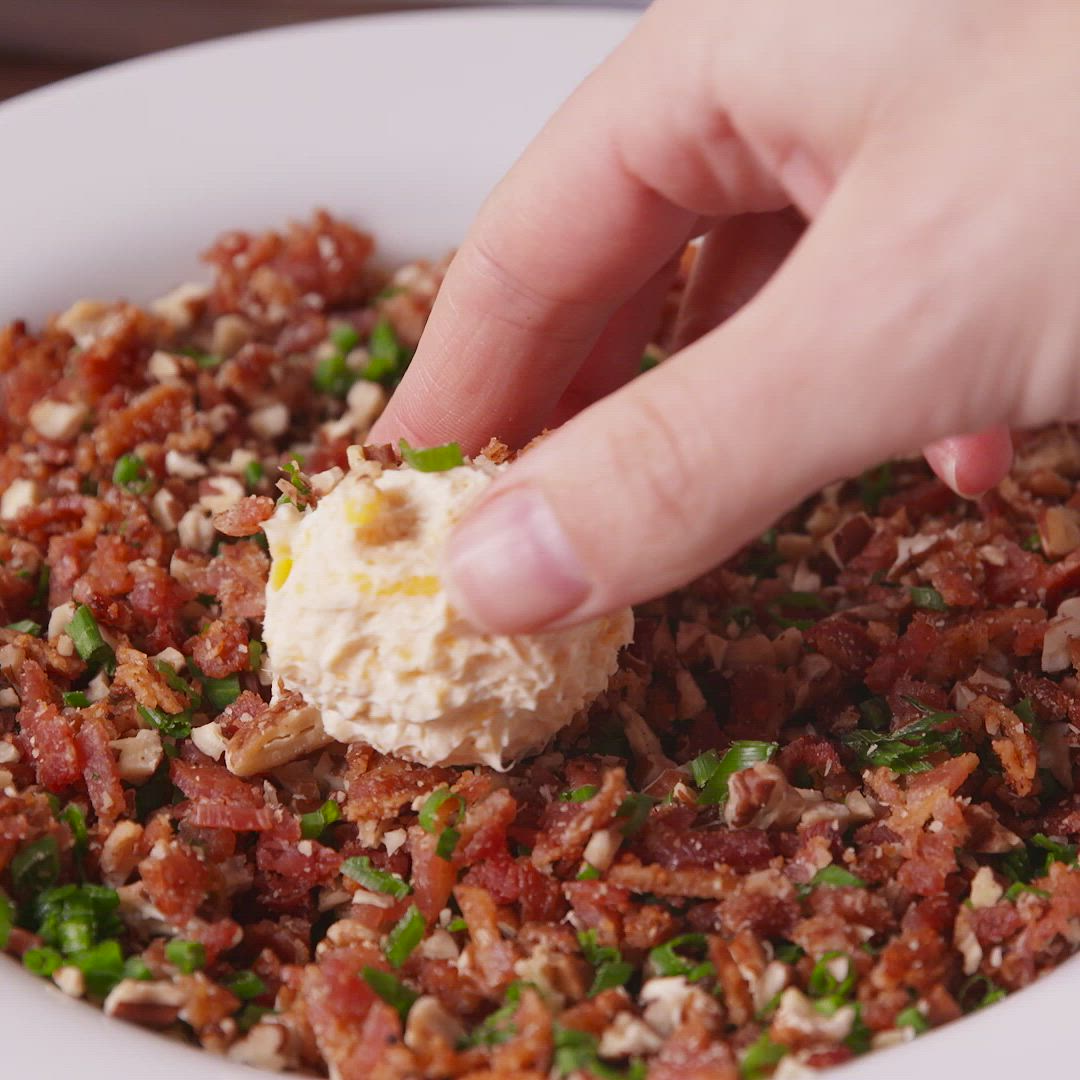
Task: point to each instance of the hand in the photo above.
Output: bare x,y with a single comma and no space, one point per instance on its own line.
933,147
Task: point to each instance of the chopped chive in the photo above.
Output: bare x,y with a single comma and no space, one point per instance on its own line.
908,749
992,993
175,725
35,867
345,338
292,473
912,1018
759,1058
253,474
823,982
434,458
635,809
387,357
360,869
135,967
1055,850
927,599
874,485
740,755
1032,542
187,956
131,474
255,654
102,966
73,817
456,926
42,961
581,794
26,626
89,644
668,960
588,872
221,693
610,969
430,818
837,877
76,699
76,934
313,824
7,919
174,681
447,843
1018,888
789,953
391,989
648,362
250,1015
407,933
333,376
246,985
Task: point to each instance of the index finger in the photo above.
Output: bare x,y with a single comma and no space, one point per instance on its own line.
604,196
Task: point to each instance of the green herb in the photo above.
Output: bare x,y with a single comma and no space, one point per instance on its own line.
969,993
447,843
26,626
250,1015
1033,542
430,818
175,725
155,793
344,338
175,682
73,817
875,713
135,967
42,961
292,473
837,877
456,926
433,459
635,809
763,558
578,1051
823,981
204,360
253,474
788,952
255,653
313,824
1025,709
912,1018
334,376
76,699
102,966
498,1027
648,362
581,794
927,599
387,357
801,601
588,872
41,593
1055,851
391,989
186,956
907,750
712,775
407,933
35,867
741,615
359,868
73,918
874,485
131,474
1017,888
90,645
667,959
221,693
759,1058
610,969
7,919
246,985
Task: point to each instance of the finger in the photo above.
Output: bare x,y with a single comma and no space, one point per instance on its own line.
817,377
736,259
616,357
972,464
570,235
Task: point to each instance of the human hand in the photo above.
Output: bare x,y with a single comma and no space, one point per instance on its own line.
932,146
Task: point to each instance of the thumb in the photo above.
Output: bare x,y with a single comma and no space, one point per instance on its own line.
835,365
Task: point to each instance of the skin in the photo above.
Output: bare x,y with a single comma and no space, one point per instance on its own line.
888,202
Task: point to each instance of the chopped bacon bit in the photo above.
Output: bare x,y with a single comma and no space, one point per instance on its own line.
49,736
176,880
245,517
222,648
99,769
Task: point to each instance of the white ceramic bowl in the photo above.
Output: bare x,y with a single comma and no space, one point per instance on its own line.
113,181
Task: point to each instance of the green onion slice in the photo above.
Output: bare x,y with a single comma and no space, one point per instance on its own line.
759,1058
927,599
837,877
824,982
635,810
26,626
246,985
186,956
434,458
90,645
130,473
42,961
35,867
391,989
313,824
712,774
407,933
431,820
76,699
447,843
7,919
360,869
668,960
581,794
912,1018
175,725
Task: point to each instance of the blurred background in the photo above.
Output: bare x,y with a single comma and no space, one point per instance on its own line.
45,40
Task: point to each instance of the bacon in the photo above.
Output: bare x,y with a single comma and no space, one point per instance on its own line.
99,769
237,579
176,880
221,649
149,418
908,655
518,881
433,878
50,736
245,517
844,642
494,957
382,790
670,842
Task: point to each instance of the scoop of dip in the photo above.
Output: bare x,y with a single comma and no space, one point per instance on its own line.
357,621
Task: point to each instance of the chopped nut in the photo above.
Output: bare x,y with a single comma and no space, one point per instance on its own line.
230,334
183,465
59,619
966,942
275,737
71,980
120,852
265,1046
1059,531
19,495
985,891
196,530
324,482
270,422
162,365
182,306
601,849
152,1004
365,401
98,689
430,1022
9,699
798,1023
65,646
140,755
439,945
208,738
1059,632
85,321
394,839
60,421
666,1001
221,493
628,1036
166,509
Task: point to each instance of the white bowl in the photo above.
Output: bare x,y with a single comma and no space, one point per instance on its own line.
113,182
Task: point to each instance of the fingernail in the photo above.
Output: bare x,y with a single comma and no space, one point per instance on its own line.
510,567
949,466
